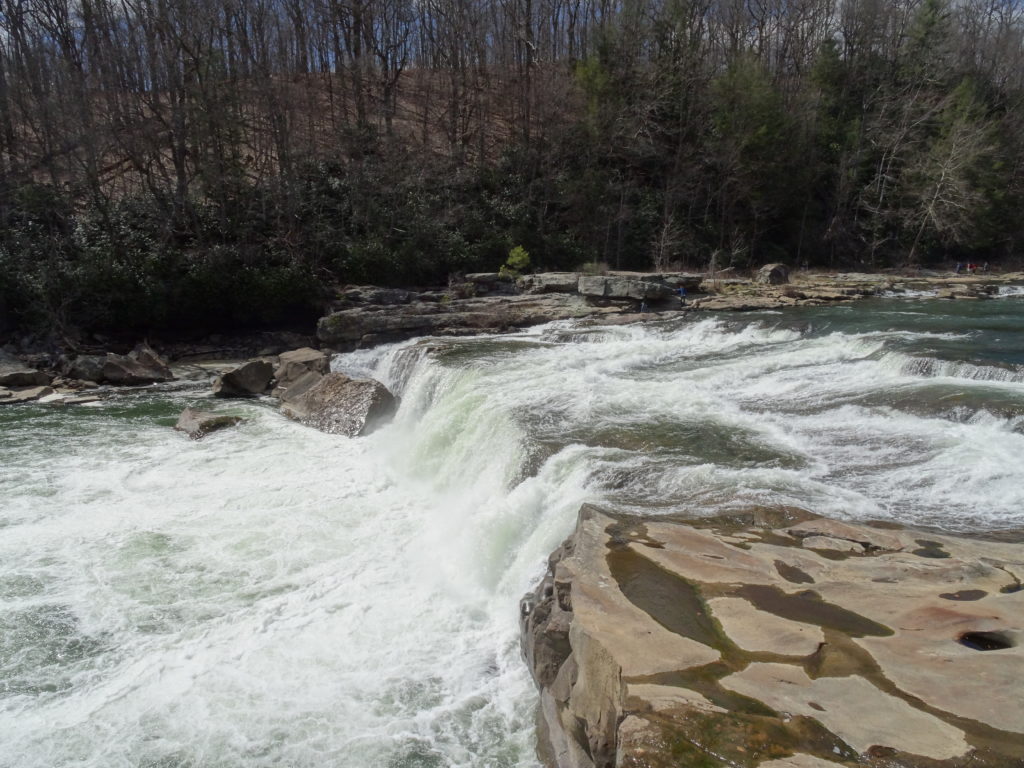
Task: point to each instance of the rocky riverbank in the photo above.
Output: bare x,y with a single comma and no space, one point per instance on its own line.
777,639
364,317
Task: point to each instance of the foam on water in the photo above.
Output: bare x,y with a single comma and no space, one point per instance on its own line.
263,597
275,596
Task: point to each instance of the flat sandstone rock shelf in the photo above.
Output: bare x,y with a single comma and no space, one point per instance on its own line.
777,639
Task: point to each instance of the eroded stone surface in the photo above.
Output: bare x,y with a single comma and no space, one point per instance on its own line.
852,708
754,630
736,642
868,538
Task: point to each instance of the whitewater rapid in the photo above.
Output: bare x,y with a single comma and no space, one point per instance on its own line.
274,596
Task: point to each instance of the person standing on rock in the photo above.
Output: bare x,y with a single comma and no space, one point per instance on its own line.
682,295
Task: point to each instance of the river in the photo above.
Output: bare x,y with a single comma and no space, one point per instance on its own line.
274,596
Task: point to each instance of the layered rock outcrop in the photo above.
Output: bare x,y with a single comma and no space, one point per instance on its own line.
367,326
776,639
365,317
605,287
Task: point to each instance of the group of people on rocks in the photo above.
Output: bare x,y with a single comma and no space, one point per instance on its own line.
971,268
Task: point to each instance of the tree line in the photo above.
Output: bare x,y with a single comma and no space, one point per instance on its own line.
187,164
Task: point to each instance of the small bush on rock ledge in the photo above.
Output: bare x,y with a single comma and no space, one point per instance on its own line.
518,260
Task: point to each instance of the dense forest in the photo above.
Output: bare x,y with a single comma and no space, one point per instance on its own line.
198,164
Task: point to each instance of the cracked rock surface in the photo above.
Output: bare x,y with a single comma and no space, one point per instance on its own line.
779,639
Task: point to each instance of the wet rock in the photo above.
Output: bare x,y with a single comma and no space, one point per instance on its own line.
339,405
81,400
298,386
14,373
15,395
659,643
67,397
197,424
296,364
247,380
773,274
140,366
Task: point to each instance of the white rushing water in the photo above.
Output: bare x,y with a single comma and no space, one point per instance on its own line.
273,596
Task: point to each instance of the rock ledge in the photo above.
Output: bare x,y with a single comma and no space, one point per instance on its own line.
778,639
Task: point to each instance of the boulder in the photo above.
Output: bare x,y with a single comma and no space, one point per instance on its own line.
87,368
604,287
247,380
16,395
339,405
296,364
549,282
298,386
144,355
14,373
197,424
773,274
81,400
140,366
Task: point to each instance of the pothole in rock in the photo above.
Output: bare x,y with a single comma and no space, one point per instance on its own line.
932,549
966,595
986,641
